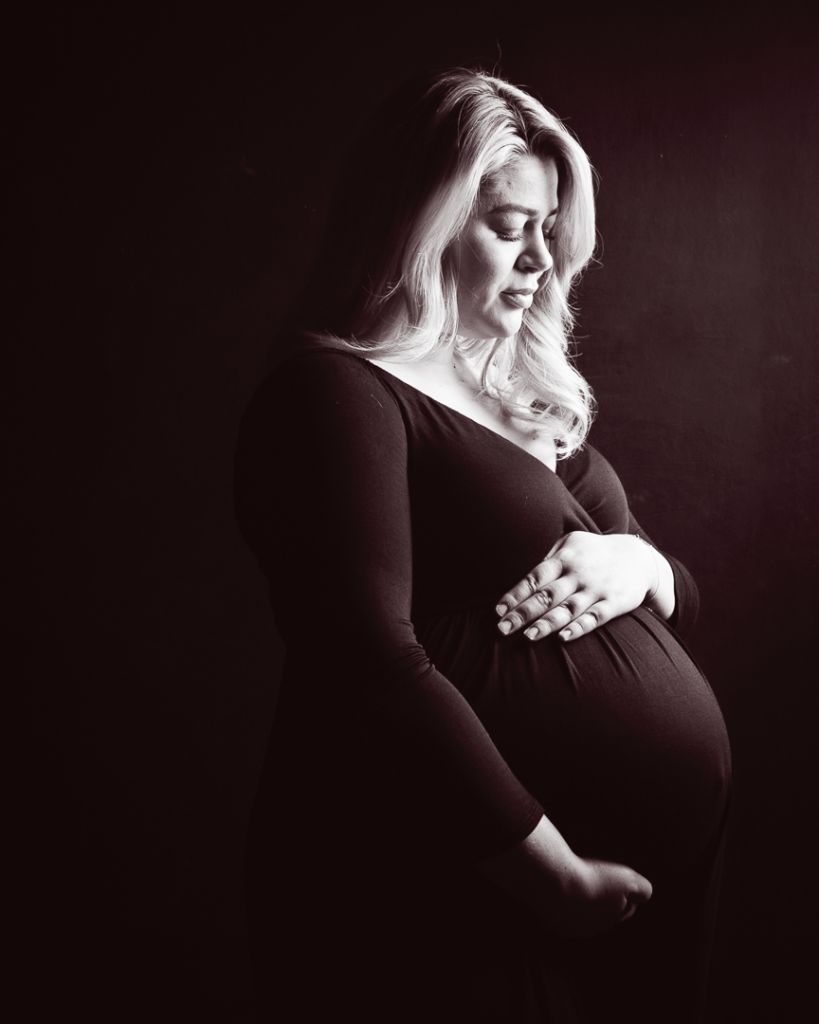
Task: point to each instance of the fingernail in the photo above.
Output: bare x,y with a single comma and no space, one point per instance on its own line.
501,609
531,633
505,626
565,634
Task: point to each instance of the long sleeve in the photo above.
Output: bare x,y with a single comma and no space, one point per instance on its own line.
686,595
597,487
323,499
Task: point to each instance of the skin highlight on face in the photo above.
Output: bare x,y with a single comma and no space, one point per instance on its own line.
502,256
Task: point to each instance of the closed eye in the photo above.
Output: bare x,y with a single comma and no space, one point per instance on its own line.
509,237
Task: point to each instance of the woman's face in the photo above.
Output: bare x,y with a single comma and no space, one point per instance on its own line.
502,255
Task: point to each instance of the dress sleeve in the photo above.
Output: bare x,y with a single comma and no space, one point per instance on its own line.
595,484
686,593
323,499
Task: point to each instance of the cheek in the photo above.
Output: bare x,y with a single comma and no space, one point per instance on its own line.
482,269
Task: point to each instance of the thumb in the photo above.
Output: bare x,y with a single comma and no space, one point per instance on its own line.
640,889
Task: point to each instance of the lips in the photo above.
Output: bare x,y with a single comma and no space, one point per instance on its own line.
521,300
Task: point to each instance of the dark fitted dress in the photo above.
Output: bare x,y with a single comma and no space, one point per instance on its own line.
411,739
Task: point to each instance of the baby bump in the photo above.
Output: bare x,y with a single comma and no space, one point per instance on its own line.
617,734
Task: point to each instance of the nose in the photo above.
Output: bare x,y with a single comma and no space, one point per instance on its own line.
536,257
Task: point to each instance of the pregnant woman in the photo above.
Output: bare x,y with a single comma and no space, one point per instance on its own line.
497,782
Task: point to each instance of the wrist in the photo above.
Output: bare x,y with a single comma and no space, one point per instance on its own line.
660,593
653,569
542,867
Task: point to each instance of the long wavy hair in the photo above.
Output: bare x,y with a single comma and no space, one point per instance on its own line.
385,283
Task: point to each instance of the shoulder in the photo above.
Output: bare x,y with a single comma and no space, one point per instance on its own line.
328,368
313,380
321,396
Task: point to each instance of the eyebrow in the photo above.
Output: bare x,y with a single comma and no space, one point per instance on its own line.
514,208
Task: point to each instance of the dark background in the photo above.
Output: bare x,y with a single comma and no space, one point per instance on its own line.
172,173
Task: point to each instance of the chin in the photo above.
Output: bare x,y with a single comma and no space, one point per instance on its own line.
506,326
501,325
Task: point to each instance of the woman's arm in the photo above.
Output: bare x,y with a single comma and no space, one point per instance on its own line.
569,894
322,498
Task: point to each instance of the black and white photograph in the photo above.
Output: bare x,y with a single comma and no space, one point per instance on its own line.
413,428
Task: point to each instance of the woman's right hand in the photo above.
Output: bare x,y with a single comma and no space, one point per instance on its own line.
569,894
603,895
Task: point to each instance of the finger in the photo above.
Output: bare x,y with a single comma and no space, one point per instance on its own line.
557,618
561,614
638,888
587,621
537,605
642,890
544,572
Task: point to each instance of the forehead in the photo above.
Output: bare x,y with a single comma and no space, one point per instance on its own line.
526,181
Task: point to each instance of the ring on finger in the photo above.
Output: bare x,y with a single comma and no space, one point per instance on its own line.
545,596
543,627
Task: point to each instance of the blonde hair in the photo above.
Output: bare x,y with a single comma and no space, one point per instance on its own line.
392,285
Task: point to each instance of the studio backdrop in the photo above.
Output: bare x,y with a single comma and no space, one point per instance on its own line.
174,173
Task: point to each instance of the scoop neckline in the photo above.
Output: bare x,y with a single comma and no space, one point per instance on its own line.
463,416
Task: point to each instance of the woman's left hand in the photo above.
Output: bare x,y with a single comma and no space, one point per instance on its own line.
586,580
